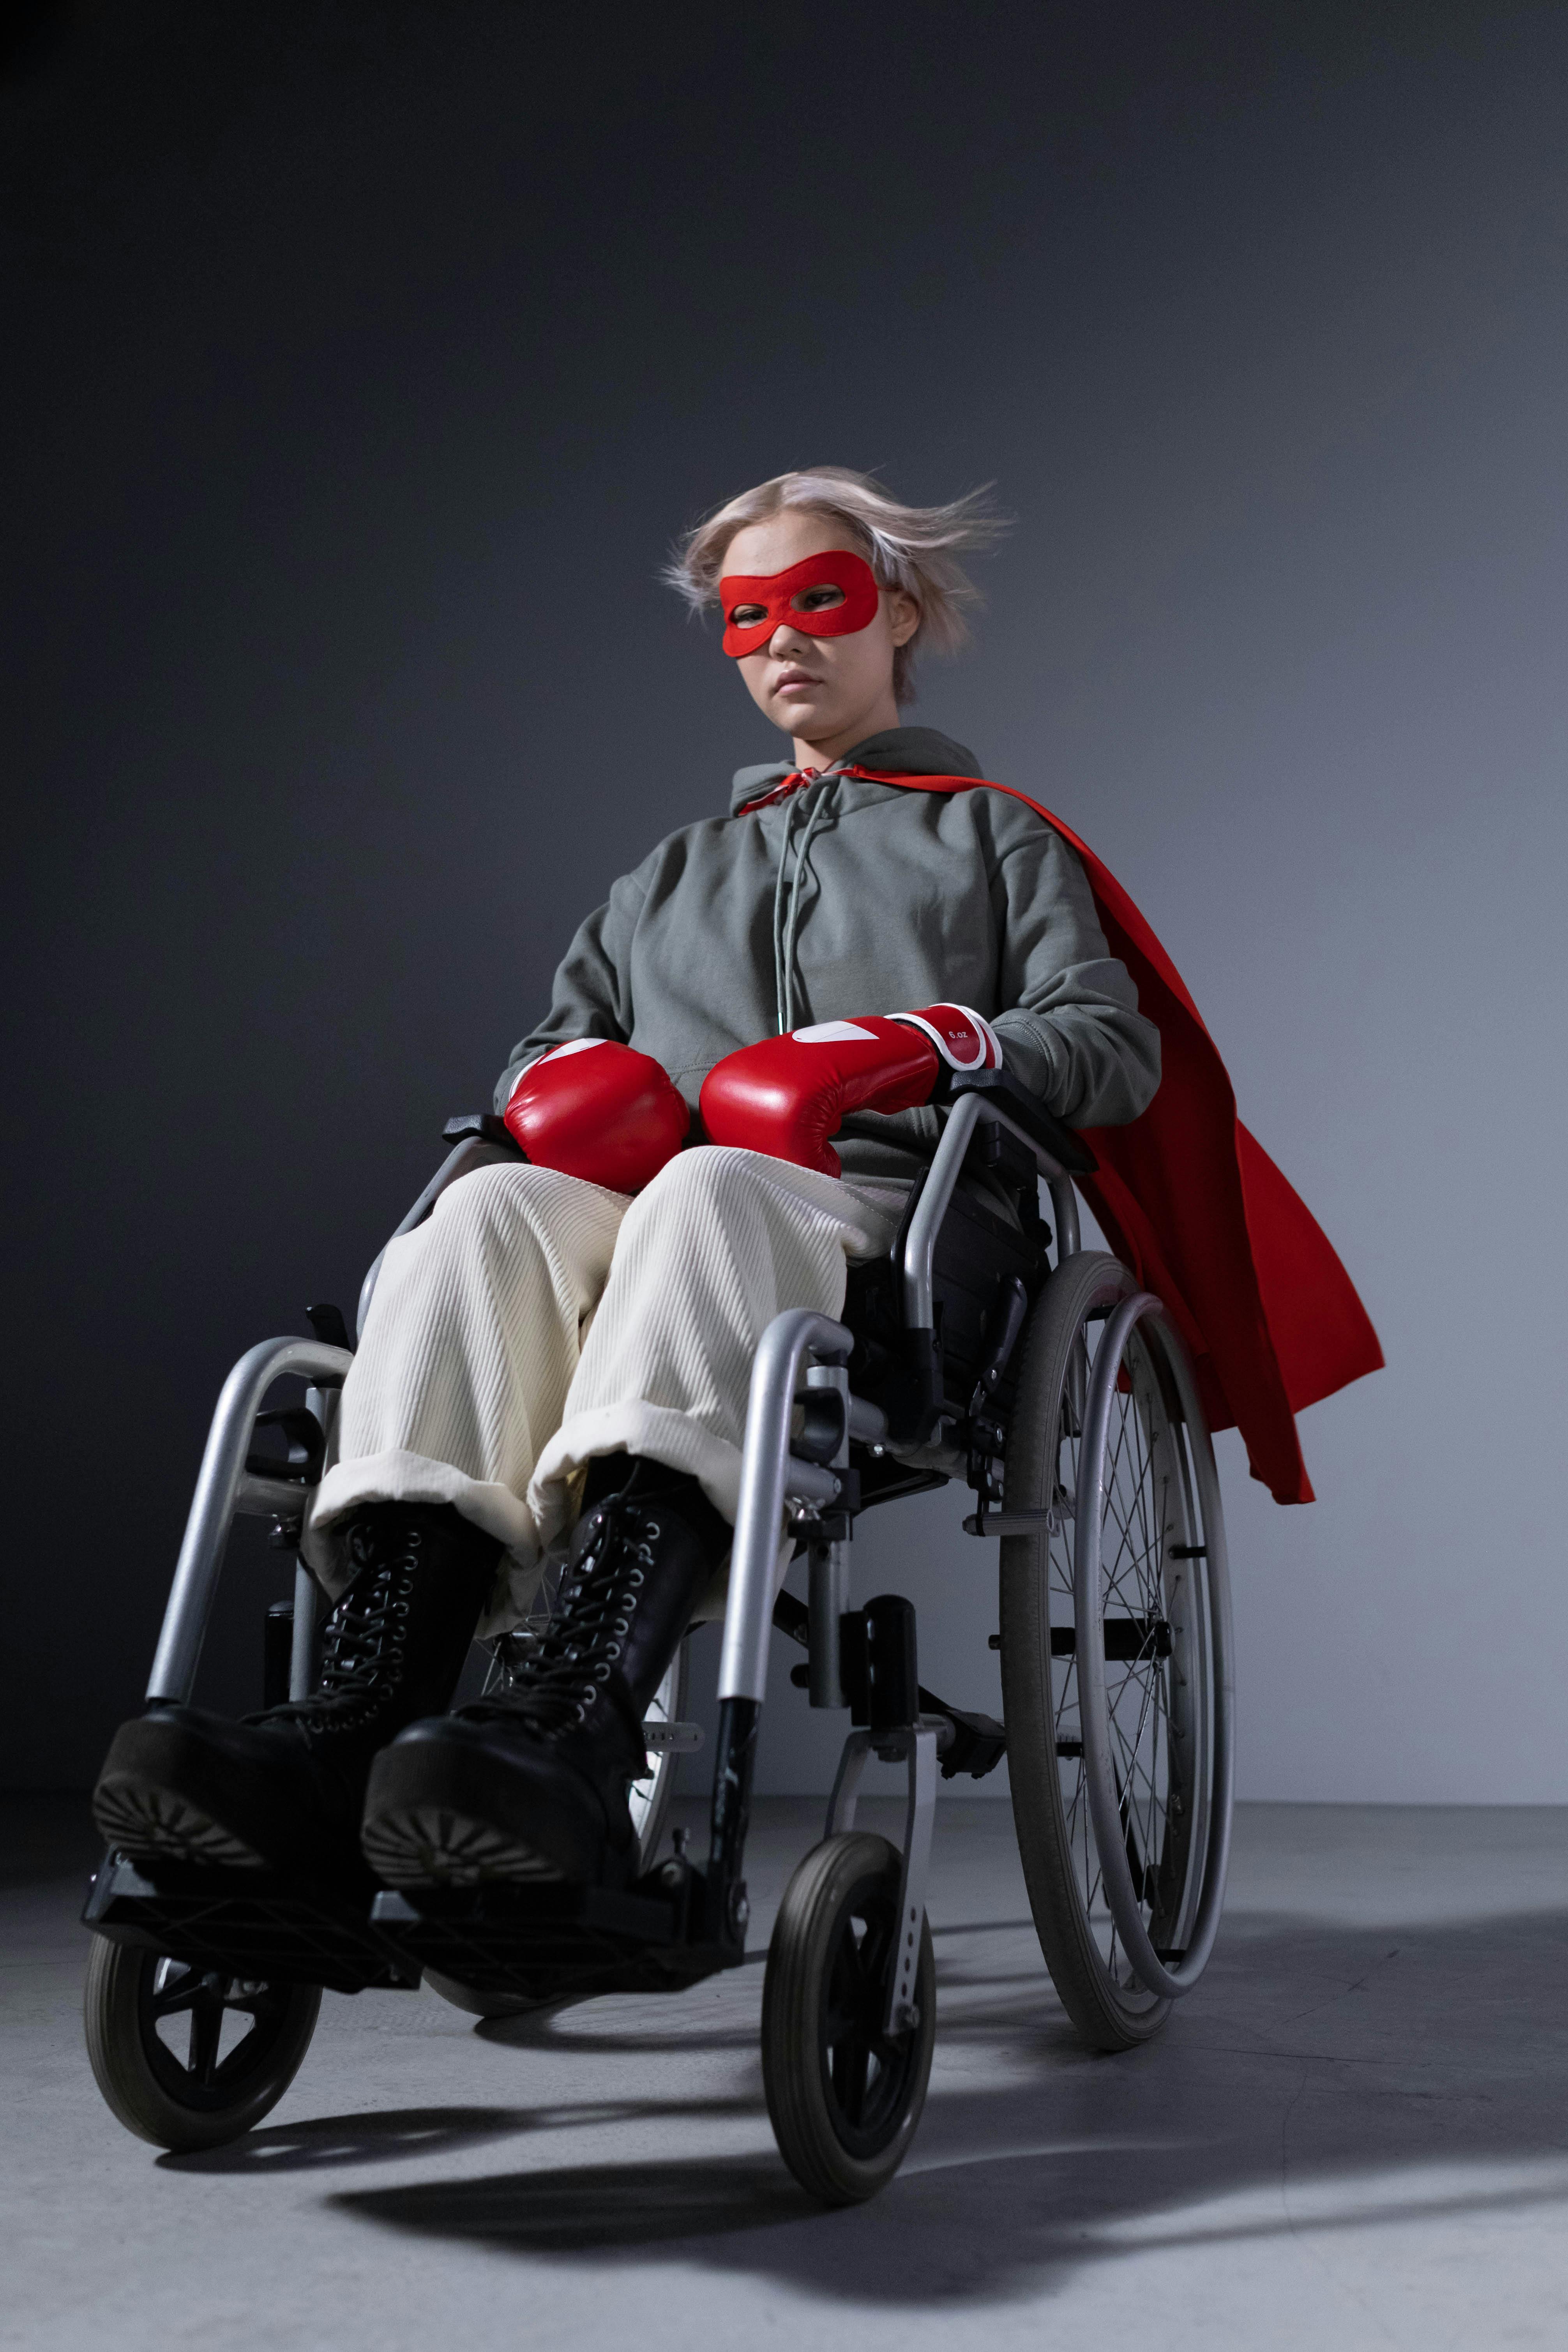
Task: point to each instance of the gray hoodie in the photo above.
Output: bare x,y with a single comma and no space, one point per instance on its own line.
847,898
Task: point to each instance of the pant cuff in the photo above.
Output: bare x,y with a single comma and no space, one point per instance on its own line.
397,1476
651,1432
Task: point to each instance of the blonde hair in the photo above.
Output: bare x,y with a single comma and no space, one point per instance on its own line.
908,548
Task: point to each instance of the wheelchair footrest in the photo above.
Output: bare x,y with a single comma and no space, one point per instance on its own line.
246,1925
537,1943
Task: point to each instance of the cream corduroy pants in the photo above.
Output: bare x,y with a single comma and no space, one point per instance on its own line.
533,1321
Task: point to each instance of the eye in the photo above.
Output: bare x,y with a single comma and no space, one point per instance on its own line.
746,616
816,600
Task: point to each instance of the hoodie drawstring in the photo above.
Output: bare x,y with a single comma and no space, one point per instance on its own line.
787,918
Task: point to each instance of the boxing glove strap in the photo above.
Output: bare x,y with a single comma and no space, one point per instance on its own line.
988,1046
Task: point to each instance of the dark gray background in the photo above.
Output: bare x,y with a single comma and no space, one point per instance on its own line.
360,362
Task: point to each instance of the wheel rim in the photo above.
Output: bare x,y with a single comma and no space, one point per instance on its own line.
1148,1558
865,2070
219,2032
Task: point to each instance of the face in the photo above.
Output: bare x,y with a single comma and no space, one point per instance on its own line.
817,689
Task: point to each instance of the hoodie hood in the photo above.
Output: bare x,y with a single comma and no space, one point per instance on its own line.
901,751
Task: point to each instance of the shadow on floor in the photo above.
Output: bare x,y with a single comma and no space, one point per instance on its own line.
319,2143
1324,2079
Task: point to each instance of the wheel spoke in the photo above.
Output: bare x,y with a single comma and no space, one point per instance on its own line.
1147,1688
171,1999
206,2030
1131,1552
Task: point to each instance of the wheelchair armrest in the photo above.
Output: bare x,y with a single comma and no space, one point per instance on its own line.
1069,1151
483,1127
478,1139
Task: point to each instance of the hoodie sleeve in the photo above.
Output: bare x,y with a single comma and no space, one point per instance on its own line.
1070,1030
592,994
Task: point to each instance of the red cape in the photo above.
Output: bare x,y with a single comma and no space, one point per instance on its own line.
1197,1209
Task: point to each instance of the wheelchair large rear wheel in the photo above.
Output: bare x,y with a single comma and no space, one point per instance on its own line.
186,2057
1115,1654
843,2094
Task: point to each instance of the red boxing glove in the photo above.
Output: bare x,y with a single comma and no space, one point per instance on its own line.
786,1095
599,1110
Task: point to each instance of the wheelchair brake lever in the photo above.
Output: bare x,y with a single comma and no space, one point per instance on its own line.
1010,1305
305,1439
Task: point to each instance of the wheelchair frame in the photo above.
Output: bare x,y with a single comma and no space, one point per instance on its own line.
681,1922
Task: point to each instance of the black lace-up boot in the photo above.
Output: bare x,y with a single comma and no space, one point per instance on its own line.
283,1791
531,1782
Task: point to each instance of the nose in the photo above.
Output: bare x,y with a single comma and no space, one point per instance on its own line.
786,642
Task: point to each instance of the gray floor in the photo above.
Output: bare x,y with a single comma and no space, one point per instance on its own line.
1355,2133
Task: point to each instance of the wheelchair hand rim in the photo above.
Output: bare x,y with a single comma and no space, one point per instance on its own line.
1154,1973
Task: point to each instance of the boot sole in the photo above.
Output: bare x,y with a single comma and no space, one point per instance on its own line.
170,1792
446,1810
432,1846
161,1825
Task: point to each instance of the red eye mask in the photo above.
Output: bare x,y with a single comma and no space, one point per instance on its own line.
780,592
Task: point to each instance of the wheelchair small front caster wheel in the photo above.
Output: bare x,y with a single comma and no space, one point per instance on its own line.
228,2049
844,2095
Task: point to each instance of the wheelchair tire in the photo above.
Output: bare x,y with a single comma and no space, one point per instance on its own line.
209,2096
842,2096
1156,1594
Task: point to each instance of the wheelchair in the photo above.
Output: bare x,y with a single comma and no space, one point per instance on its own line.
985,1348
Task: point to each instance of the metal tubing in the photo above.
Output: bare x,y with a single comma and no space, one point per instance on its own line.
269,1499
302,1650
868,1423
733,1765
829,1564
808,1482
1048,1166
767,1475
829,1598
213,1504
846,1785
305,1654
919,1815
942,1182
325,1403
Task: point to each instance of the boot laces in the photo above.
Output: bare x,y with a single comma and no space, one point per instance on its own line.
363,1648
555,1684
